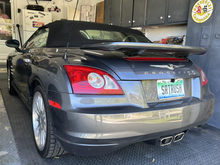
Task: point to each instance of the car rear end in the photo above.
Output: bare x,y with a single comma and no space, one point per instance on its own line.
157,98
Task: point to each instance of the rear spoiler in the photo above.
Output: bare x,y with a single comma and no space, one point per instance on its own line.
139,48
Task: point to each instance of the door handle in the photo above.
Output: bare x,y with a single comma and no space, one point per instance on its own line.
26,60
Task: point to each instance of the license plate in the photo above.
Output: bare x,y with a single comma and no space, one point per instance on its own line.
167,89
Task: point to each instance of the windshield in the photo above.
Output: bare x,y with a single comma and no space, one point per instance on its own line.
113,36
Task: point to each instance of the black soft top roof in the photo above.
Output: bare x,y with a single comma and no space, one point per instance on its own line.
60,31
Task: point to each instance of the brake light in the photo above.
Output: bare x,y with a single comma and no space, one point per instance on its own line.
88,80
203,76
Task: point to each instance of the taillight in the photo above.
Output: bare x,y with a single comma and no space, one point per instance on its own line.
88,80
203,76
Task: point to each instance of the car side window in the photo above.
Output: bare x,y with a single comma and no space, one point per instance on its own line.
39,39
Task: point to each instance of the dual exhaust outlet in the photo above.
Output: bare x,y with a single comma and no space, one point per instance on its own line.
168,140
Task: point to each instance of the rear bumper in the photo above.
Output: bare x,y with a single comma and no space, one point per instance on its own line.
95,131
94,147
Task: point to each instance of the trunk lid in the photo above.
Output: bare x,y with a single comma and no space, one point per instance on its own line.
128,69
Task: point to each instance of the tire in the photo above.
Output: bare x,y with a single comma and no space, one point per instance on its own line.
11,89
45,142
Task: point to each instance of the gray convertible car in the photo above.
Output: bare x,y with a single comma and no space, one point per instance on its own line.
94,88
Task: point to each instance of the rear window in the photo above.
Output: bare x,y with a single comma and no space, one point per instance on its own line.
114,36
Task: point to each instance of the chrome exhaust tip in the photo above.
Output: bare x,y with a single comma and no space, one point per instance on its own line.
166,141
178,137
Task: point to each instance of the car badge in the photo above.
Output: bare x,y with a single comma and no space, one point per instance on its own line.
169,66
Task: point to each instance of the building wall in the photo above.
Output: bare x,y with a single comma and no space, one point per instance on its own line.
47,4
62,4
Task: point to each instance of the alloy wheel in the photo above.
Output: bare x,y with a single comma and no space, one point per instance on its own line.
39,121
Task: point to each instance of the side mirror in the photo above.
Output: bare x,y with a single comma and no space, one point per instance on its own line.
13,44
